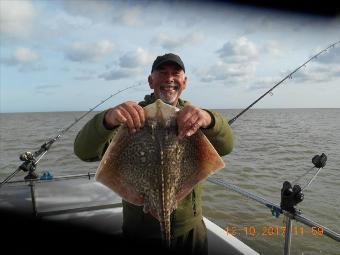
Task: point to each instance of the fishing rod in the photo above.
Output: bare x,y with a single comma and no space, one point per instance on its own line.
31,159
277,84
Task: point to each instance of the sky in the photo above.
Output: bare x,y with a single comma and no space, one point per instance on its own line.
69,55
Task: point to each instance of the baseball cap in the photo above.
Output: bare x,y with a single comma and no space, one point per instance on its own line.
169,57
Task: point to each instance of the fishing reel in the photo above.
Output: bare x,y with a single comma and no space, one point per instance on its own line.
29,165
292,195
30,161
319,161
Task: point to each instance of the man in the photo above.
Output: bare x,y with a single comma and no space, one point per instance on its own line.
168,81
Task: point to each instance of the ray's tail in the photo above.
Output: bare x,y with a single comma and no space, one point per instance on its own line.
166,232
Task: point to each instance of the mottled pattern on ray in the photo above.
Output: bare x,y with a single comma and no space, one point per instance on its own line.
153,167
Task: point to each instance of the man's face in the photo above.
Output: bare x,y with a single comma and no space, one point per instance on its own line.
168,82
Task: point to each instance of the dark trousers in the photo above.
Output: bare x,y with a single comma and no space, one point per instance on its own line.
193,242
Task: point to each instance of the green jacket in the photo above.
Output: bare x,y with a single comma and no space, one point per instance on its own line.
91,143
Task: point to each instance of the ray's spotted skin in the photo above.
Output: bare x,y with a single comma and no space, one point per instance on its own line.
153,168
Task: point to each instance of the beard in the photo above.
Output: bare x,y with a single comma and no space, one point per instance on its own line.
168,93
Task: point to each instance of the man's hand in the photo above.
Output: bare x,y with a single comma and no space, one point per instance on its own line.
190,119
128,112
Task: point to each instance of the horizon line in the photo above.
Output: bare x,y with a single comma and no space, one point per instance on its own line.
255,108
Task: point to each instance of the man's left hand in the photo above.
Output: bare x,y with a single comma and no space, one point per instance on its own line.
190,119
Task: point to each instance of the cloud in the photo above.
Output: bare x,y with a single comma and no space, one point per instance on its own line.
240,50
231,72
89,52
322,69
96,10
109,12
25,56
131,64
311,74
136,59
331,56
272,48
237,63
119,74
263,83
317,72
55,25
130,17
16,18
21,56
171,42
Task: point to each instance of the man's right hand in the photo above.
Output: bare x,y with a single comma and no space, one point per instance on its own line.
129,113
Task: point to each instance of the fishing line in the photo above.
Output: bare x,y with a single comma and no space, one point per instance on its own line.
289,76
32,159
303,175
319,162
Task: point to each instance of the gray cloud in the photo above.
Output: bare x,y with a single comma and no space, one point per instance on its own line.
240,50
313,73
16,18
337,73
174,42
331,56
24,59
118,74
89,52
109,12
324,68
273,48
89,8
130,17
237,62
21,56
9,61
263,83
317,72
54,27
135,59
230,72
130,64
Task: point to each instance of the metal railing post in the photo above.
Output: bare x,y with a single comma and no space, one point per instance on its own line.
288,234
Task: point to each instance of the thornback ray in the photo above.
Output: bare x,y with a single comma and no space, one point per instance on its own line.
153,168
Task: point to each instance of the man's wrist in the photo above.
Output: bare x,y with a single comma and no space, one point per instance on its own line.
107,125
212,117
